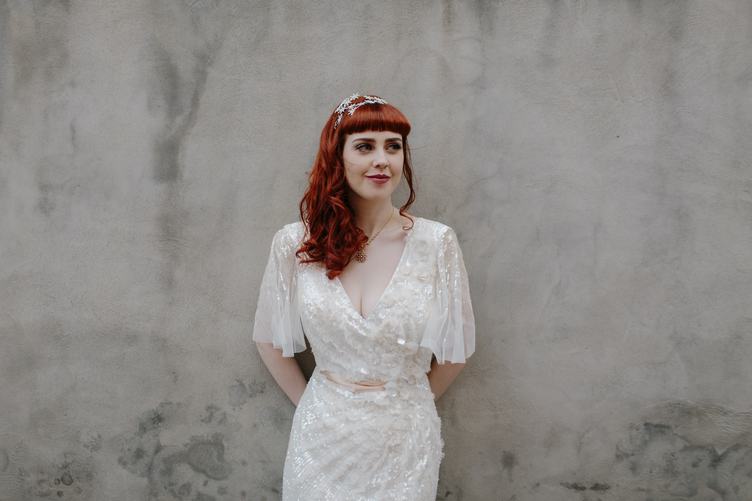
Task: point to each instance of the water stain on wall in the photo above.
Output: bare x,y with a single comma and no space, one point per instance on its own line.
176,472
690,451
581,487
241,393
39,47
26,474
178,97
508,462
678,450
453,493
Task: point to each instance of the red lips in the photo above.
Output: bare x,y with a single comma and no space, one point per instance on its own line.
379,176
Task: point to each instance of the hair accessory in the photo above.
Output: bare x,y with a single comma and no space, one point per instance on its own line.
347,105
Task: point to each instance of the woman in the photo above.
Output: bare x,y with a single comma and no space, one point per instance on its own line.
377,292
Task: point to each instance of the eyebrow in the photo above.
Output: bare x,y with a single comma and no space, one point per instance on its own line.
370,140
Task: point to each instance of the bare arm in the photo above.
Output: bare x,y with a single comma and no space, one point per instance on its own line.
285,371
442,375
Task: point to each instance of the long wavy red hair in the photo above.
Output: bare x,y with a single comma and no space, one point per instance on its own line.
333,237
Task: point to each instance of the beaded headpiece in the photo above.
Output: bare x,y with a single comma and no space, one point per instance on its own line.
348,106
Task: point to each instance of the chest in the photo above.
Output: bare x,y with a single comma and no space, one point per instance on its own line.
365,283
401,306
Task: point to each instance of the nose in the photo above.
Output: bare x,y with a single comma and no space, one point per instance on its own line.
380,159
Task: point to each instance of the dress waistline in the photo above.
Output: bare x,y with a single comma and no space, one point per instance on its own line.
362,385
377,385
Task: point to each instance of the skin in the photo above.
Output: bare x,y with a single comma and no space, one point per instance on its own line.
366,153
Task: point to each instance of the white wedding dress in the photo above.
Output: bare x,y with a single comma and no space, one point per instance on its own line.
382,444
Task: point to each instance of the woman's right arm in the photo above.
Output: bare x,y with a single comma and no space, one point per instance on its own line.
277,328
285,371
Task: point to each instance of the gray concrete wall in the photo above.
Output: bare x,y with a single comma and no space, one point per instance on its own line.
594,158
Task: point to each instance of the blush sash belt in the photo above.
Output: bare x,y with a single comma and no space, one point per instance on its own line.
363,385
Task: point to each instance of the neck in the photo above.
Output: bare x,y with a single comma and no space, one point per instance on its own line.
370,216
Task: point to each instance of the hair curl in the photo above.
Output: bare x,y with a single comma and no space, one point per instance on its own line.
333,236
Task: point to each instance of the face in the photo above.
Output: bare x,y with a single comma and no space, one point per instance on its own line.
373,163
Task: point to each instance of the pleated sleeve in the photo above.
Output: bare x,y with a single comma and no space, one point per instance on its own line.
277,318
450,330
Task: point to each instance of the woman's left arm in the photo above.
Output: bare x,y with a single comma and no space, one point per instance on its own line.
442,375
450,332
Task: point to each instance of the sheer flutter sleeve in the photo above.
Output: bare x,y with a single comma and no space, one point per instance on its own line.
450,330
277,318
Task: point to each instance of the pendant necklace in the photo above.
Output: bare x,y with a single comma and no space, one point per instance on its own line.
360,254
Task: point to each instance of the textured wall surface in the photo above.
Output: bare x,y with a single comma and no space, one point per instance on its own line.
593,157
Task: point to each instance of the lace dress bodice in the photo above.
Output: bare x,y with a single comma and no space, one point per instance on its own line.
425,305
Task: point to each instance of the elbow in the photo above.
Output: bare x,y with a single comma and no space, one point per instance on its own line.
448,363
264,346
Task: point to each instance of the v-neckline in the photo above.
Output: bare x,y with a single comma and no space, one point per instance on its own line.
396,271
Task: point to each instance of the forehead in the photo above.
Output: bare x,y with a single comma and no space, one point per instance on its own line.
381,135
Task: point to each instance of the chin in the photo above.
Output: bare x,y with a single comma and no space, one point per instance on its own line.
367,192
381,195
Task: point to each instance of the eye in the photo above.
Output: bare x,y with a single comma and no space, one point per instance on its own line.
358,147
397,146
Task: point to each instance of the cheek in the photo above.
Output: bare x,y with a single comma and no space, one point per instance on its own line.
354,174
398,172
351,169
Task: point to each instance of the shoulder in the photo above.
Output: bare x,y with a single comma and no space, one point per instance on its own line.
293,230
288,238
434,230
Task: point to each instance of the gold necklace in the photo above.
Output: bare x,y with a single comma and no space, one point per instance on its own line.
360,254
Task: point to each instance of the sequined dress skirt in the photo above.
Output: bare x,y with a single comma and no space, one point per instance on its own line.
363,445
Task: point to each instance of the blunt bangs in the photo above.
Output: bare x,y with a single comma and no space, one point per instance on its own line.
376,117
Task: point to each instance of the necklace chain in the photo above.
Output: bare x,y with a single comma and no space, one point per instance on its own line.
360,254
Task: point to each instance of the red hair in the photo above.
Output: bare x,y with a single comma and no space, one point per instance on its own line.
333,237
